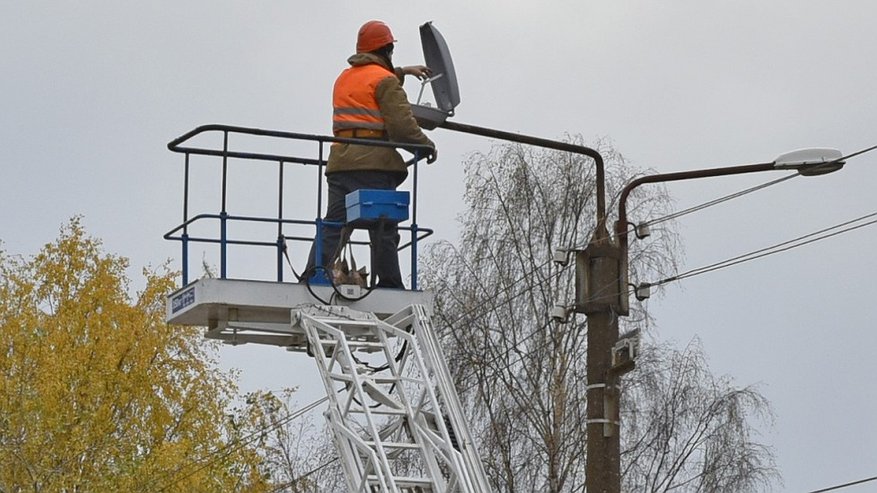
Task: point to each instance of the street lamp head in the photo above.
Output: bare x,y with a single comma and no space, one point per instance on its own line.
811,162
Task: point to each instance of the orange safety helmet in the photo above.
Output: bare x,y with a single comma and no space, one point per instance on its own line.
373,35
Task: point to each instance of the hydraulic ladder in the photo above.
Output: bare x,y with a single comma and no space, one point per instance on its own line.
394,414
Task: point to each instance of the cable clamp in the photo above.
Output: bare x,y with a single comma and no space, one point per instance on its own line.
602,421
600,386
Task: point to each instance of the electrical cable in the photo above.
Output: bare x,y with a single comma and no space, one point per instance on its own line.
508,352
346,231
240,443
845,485
508,300
230,448
281,487
307,277
502,291
385,366
631,228
289,261
719,200
525,338
778,248
377,369
857,153
692,273
309,273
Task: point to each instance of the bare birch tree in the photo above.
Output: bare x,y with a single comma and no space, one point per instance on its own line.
522,376
687,430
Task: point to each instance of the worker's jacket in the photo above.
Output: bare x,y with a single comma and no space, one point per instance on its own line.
369,95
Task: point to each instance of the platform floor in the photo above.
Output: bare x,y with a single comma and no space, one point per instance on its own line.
245,311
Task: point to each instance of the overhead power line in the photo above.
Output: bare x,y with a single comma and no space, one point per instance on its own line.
719,200
230,448
845,485
778,248
857,153
741,193
315,470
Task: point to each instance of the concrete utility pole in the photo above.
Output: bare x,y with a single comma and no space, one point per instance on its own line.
597,296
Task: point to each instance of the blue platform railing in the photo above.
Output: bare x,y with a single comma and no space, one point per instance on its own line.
184,145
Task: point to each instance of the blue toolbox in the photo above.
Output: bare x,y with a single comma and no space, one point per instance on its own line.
370,205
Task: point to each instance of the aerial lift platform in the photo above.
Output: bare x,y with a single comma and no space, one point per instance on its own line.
395,416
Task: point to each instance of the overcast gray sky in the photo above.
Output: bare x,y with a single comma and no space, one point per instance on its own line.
92,91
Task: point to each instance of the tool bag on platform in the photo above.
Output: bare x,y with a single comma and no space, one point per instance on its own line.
344,269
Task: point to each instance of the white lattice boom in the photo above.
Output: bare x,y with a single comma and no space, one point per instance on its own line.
394,413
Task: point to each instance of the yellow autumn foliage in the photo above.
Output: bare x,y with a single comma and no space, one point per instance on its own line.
97,392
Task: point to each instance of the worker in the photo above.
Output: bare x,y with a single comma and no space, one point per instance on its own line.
370,103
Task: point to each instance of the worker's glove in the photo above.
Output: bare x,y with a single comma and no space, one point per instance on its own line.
422,72
433,155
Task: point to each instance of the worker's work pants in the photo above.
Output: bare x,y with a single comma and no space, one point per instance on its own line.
384,240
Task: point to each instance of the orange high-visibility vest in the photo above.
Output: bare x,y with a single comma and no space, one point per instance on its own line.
353,98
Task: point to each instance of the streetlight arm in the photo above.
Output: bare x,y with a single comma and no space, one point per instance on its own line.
807,162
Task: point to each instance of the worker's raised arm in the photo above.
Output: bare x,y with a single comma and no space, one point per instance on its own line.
422,72
398,117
